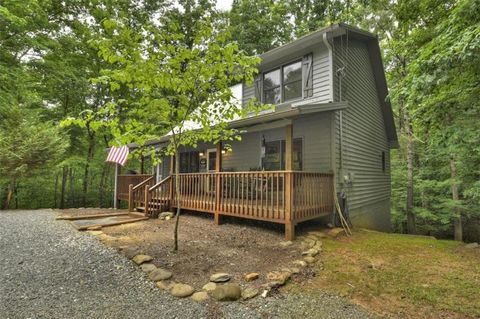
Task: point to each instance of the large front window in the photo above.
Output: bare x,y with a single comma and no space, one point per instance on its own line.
283,84
189,162
274,159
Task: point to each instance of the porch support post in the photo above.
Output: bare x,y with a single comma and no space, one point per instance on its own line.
218,187
130,198
289,218
147,200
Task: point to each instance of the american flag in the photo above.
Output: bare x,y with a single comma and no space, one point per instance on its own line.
118,155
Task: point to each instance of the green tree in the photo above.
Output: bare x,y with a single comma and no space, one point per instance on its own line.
183,65
443,88
27,145
259,26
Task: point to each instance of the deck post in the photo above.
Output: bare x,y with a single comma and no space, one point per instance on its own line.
130,198
218,188
147,199
289,175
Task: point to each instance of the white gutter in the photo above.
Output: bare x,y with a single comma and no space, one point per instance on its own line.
330,63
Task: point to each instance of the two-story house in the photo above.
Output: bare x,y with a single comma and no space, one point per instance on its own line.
331,131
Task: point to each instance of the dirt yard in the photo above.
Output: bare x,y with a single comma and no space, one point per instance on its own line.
236,247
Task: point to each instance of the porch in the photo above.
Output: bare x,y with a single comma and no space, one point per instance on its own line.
285,197
293,184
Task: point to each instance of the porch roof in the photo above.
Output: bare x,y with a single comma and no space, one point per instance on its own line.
308,106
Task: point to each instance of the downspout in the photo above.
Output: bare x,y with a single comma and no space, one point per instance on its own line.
330,59
340,142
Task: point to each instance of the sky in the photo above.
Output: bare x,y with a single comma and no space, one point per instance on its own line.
224,4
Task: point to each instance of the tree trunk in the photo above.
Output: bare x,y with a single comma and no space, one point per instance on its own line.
457,224
101,187
72,187
64,187
178,200
55,193
86,172
10,190
411,227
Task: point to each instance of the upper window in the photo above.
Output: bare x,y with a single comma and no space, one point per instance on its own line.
292,81
283,84
271,87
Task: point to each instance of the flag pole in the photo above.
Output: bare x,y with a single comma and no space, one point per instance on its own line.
115,201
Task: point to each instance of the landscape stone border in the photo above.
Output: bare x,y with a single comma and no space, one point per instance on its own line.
218,287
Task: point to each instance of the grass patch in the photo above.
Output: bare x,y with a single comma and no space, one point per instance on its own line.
401,275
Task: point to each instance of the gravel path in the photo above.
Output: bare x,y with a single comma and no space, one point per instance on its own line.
50,270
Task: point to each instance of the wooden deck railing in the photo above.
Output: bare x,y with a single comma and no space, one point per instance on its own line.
286,197
125,180
137,194
159,197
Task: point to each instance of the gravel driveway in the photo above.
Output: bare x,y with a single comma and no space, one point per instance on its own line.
50,270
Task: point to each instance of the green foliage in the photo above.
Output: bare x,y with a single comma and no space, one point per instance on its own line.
191,88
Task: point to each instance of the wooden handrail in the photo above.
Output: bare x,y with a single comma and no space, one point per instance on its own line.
163,181
143,183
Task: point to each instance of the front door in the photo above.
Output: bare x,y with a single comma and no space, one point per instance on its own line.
211,159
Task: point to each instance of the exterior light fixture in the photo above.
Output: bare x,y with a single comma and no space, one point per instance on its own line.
201,154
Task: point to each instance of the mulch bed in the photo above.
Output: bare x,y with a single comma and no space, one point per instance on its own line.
236,247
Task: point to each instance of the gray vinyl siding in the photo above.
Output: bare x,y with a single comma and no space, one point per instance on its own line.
315,130
364,135
321,79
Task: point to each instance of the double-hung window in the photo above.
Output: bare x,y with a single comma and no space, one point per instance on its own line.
271,87
283,84
292,81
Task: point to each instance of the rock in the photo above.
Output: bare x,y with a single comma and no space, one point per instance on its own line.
168,217
159,274
264,293
251,276
200,296
292,270
164,285
227,292
220,277
95,232
336,232
249,293
312,252
130,251
300,263
148,268
209,287
279,277
308,243
182,290
140,259
272,284
309,260
164,215
286,243
472,245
